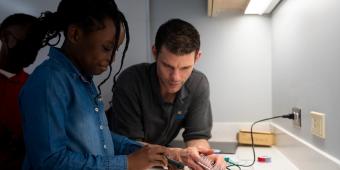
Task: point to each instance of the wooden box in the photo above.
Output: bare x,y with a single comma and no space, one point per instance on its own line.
260,138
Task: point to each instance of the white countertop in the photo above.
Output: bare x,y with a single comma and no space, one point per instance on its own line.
244,155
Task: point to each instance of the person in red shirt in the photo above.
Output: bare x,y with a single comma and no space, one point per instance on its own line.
14,31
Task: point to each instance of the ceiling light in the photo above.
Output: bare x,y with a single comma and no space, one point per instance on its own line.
261,6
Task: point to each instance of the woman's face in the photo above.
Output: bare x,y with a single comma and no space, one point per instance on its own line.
94,49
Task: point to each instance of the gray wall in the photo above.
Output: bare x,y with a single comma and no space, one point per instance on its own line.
236,57
306,72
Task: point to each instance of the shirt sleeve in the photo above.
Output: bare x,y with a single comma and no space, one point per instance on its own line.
126,113
198,121
43,103
123,145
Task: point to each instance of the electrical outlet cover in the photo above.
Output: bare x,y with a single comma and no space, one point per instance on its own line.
318,124
297,116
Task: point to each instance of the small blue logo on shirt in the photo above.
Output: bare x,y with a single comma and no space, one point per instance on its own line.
179,116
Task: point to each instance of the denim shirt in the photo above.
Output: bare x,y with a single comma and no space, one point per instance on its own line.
64,124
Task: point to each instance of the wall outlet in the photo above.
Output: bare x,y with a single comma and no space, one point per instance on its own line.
318,124
297,116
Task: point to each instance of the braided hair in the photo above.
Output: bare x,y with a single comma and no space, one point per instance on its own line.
88,15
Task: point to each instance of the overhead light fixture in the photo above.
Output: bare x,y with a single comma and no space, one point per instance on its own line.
261,6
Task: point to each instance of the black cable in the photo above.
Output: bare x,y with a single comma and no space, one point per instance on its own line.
177,164
288,116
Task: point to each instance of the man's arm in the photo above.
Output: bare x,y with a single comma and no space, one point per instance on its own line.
198,127
198,143
198,120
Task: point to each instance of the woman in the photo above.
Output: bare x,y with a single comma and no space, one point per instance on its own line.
63,115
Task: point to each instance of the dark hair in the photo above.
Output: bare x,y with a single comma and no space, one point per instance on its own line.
18,19
21,54
178,36
88,15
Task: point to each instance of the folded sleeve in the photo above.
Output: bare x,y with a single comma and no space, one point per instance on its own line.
123,145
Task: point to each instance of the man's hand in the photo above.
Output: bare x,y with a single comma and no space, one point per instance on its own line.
147,157
218,161
189,156
203,147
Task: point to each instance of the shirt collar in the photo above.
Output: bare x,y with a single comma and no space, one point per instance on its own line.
56,54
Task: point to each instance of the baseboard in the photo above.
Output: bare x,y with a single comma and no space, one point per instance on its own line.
301,153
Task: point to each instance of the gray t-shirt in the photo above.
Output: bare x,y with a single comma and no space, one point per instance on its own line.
138,110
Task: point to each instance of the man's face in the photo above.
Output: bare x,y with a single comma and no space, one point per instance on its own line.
94,50
173,70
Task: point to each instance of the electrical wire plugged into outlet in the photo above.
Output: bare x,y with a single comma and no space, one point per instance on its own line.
318,124
297,116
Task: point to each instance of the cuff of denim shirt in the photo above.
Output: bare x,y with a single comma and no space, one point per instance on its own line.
118,162
134,146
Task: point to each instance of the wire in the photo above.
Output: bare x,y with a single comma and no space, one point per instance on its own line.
288,116
233,164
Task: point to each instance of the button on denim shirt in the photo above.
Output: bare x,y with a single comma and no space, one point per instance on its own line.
64,124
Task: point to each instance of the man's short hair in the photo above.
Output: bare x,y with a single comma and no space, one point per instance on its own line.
178,36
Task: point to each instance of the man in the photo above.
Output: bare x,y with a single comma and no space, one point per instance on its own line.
152,102
13,31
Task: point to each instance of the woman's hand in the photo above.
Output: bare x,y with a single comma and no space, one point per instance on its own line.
147,157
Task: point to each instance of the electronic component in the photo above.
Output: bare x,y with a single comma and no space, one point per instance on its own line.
207,163
263,159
